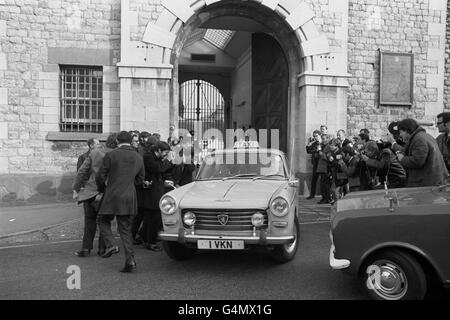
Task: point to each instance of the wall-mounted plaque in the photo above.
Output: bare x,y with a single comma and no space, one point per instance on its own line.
396,78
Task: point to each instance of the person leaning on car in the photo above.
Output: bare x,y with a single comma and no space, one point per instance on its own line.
422,158
155,168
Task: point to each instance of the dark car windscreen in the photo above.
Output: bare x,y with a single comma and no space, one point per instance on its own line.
242,165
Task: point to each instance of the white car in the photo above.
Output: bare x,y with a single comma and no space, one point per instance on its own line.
241,198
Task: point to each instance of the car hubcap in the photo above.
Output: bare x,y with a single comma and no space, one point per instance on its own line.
390,283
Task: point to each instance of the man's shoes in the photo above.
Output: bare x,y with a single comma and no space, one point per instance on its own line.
153,247
310,197
101,252
129,267
323,201
83,253
110,251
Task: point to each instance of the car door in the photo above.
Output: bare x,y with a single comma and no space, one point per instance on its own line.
424,222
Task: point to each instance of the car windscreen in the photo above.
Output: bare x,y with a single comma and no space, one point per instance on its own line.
242,165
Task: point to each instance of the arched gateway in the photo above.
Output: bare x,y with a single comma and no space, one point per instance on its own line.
149,76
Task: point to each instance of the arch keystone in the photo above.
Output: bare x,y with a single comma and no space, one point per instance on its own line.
315,46
271,4
208,2
180,8
300,15
159,36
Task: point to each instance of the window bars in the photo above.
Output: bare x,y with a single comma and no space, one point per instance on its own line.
81,99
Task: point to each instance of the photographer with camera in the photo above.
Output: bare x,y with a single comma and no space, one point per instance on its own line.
351,167
314,147
336,173
368,175
388,168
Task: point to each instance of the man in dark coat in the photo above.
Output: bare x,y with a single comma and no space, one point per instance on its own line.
422,158
313,148
443,140
156,166
122,169
139,234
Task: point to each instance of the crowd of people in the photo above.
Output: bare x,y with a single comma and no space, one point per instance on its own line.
125,180
407,156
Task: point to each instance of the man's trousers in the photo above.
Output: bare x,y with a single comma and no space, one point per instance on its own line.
124,228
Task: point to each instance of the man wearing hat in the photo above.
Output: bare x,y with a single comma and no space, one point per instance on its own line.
397,144
421,158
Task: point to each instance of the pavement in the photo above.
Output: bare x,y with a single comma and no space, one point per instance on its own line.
41,271
36,264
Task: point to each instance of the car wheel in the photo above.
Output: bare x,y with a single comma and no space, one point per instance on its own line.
286,252
393,275
178,251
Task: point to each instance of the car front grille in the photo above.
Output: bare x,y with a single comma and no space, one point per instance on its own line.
238,220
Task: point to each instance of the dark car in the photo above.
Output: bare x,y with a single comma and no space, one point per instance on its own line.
393,240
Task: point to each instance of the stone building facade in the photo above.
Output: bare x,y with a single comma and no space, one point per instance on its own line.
332,49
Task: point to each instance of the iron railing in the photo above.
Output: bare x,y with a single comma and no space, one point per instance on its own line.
201,102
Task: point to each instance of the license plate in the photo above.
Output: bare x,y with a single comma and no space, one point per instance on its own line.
221,244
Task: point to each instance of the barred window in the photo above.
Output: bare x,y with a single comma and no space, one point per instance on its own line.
81,99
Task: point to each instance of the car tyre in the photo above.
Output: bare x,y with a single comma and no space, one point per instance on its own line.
178,251
286,252
401,277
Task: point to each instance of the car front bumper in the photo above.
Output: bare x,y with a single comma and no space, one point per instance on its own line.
259,240
336,264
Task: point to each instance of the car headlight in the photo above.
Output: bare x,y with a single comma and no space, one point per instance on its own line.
168,205
189,219
258,219
279,207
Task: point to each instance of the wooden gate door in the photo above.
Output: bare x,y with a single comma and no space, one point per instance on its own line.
270,81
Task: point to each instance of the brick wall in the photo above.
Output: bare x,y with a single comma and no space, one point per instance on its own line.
401,26
447,63
36,37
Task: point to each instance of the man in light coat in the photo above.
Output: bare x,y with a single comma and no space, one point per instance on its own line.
85,191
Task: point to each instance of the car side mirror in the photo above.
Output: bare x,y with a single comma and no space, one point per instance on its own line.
294,183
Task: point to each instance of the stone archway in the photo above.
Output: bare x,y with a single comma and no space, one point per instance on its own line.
318,81
297,15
